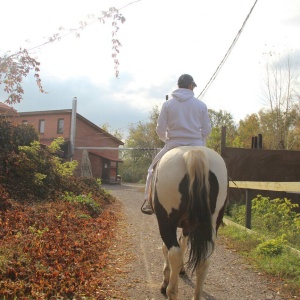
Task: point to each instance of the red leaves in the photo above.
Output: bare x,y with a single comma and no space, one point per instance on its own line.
50,256
13,68
4,200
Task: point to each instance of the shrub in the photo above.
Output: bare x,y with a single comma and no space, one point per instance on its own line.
272,218
272,247
24,135
37,171
271,256
4,199
11,137
6,137
276,217
14,135
86,200
238,213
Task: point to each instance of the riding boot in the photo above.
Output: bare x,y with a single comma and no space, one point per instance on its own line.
147,209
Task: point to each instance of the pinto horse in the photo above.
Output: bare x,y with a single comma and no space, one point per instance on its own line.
189,191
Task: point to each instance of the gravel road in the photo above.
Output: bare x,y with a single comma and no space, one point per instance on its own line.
139,260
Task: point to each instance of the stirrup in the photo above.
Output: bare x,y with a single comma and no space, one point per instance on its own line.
146,209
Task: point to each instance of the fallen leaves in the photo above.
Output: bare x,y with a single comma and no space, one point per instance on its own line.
48,251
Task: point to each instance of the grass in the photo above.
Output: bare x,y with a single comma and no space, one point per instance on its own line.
271,257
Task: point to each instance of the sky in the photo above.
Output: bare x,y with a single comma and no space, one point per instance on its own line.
161,39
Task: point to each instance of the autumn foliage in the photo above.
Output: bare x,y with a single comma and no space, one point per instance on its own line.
53,250
55,246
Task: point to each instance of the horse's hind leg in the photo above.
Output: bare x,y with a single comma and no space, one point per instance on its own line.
172,266
166,270
183,245
201,272
172,254
175,257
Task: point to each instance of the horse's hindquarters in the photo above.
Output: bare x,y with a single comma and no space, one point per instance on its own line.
189,190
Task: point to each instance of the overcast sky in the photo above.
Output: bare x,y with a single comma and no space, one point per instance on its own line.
161,39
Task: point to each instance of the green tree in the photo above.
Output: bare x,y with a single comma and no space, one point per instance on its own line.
116,133
218,119
143,137
248,128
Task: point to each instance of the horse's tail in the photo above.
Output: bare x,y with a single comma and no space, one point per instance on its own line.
198,210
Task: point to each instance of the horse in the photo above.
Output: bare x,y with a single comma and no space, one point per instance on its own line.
188,191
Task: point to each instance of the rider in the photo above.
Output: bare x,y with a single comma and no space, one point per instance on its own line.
183,121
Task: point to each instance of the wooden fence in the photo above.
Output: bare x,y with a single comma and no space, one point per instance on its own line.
259,171
292,187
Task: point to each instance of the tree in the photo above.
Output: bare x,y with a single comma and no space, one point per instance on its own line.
15,66
280,93
282,133
116,133
143,137
248,128
218,119
295,133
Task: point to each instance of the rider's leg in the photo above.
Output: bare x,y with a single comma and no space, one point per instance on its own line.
147,209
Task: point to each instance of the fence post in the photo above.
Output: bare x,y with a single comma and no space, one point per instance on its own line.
248,210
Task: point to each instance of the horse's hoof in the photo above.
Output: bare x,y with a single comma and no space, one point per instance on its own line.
163,290
182,272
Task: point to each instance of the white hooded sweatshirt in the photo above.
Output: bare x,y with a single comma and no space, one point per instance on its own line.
183,119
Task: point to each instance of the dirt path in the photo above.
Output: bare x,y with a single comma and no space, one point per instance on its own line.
139,260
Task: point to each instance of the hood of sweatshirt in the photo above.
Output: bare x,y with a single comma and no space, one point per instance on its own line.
183,94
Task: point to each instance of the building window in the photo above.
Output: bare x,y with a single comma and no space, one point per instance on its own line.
24,122
60,126
41,126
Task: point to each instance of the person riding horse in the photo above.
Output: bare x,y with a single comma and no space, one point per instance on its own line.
183,121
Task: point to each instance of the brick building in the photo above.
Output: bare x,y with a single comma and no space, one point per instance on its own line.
6,110
57,123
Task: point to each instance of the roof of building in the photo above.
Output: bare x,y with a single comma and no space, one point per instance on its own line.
69,111
106,156
6,109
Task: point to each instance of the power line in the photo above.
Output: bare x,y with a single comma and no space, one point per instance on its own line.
128,4
213,77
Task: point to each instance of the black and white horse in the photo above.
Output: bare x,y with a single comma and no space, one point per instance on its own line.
189,191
